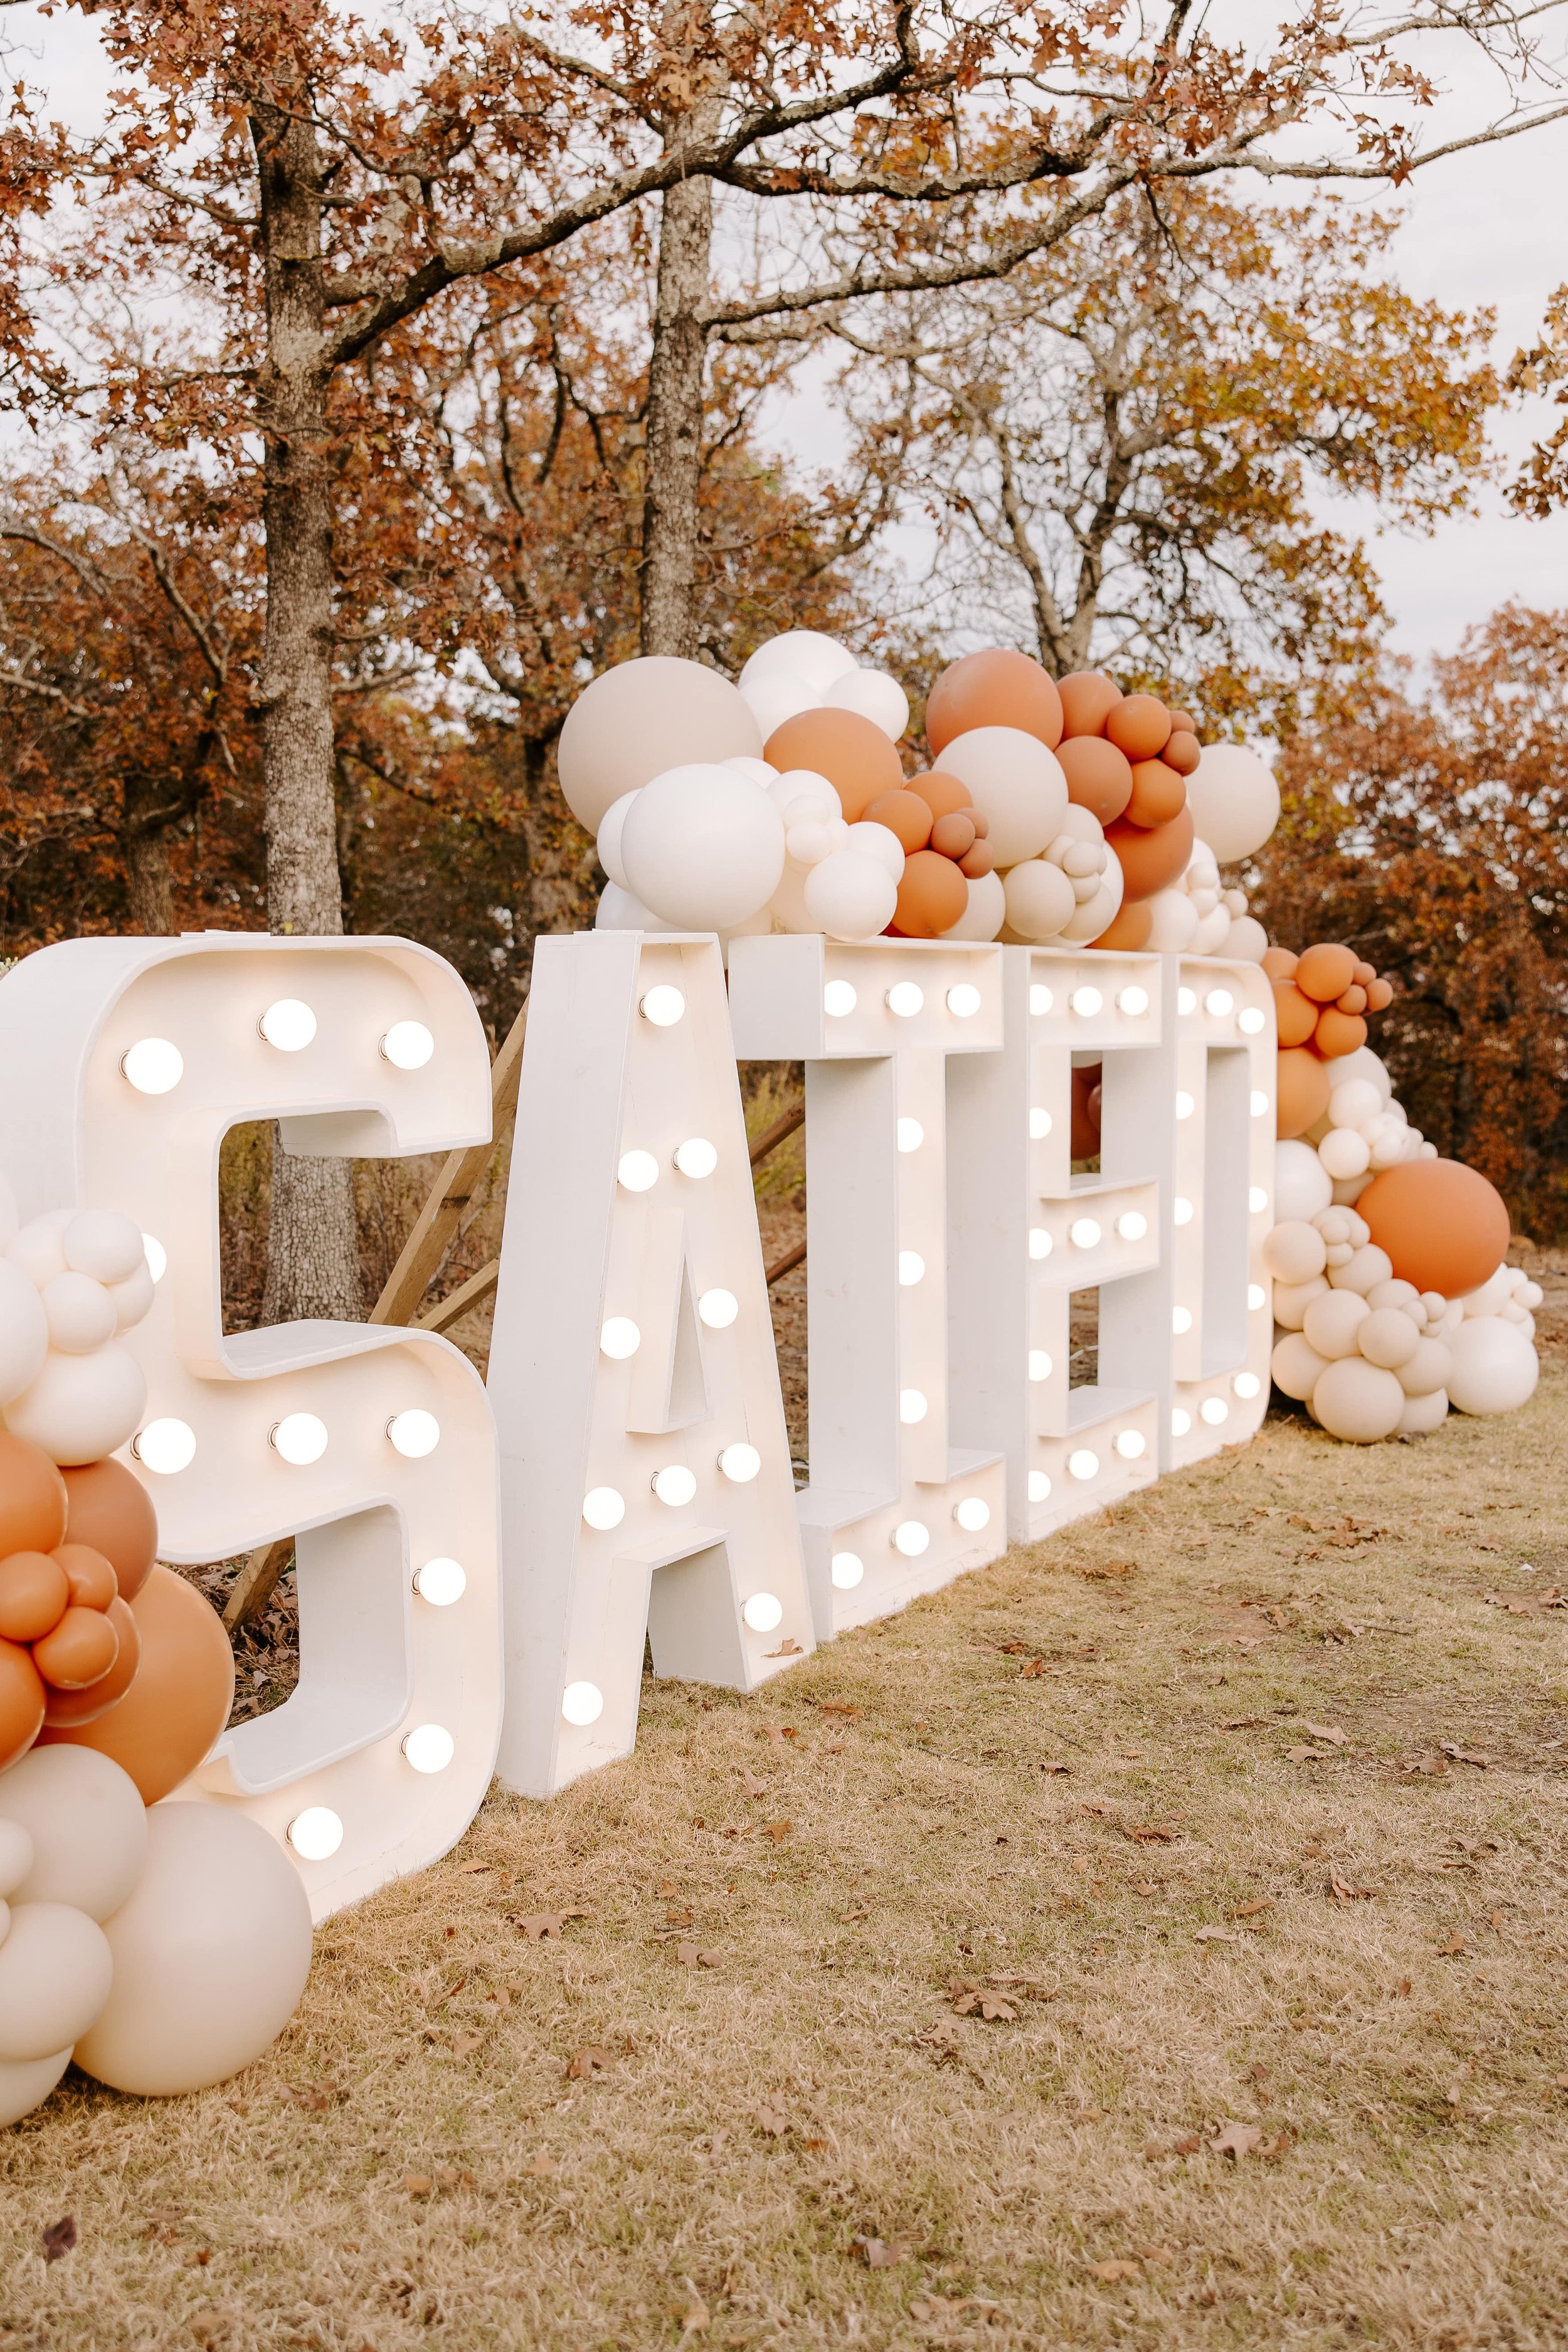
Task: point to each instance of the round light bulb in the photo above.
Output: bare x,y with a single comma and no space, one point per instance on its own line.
764,1613
740,1463
674,1485
441,1582
1039,1364
407,1046
1250,1019
911,1538
911,1268
663,1006
1085,1233
1215,1409
1039,1241
165,1446
1257,1297
1187,1000
847,1571
971,1513
429,1747
696,1157
1182,1211
289,1024
637,1172
905,998
152,1066
1040,1124
1083,1464
1259,1103
964,1001
157,1256
1181,1422
316,1834
1182,1320
838,998
1186,1106
1040,1486
1129,1444
1257,1200
718,1309
1246,1385
299,1437
1219,1002
1040,999
912,1135
620,1338
414,1433
602,1508
1132,1226
1133,1001
582,1704
911,1406
1086,1002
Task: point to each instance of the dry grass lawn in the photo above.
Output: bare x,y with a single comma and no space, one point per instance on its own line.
919,1999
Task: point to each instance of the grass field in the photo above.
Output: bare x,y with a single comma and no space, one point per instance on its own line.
1155,1940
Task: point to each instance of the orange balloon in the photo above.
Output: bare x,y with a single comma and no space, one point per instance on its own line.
1379,995
180,1700
63,1706
1088,697
1279,964
79,1649
1444,1226
1365,973
1353,1000
1325,972
932,894
1085,1105
34,1594
1140,725
978,860
32,1498
90,1575
1183,750
21,1702
1129,929
1338,1032
994,688
942,794
905,814
1157,793
1296,1015
854,756
1304,1087
1100,777
953,835
109,1507
1151,858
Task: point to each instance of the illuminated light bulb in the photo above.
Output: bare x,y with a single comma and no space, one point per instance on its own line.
1039,1364
1219,1002
1181,1422
620,1338
912,1135
1040,1486
1182,1211
157,1257
1040,999
152,1066
718,1309
1246,1385
964,1002
764,1613
602,1508
911,1538
582,1704
1130,1445
1039,1241
1250,1019
1259,1103
299,1437
1257,1297
663,1006
1040,1126
316,1834
1186,1000
429,1747
1085,1233
1257,1200
911,1268
1132,1226
289,1024
740,1463
1215,1409
1133,1001
905,998
674,1485
1182,1320
441,1582
696,1157
911,1406
1086,1002
1083,1464
165,1446
407,1046
847,1569
638,1171
971,1513
414,1433
838,998
1186,1106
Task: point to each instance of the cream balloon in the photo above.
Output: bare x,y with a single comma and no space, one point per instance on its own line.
1291,1300
210,1956
1344,1153
881,842
1365,1269
608,843
104,1243
1295,1366
132,1297
851,895
1358,1401
1354,1101
80,1313
1246,941
875,695
27,2085
16,1855
55,1976
810,655
702,847
1234,799
38,1247
1424,1413
9,1216
1099,912
1330,1323
1302,1186
1294,1251
24,1331
1015,783
1491,1295
618,910
1173,923
88,1825
985,913
781,695
81,1407
1495,1367
642,718
1040,899
1388,1337
1363,1064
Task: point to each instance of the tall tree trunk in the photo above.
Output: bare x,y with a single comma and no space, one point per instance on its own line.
149,881
313,1244
676,370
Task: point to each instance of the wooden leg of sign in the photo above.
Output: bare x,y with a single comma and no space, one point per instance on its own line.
785,1265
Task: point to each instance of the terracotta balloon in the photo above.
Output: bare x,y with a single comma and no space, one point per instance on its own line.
1353,1000
1182,723
1152,859
34,1594
1140,725
1365,973
854,755
1444,1227
79,1649
1085,1102
942,794
1304,1087
21,1702
181,1697
994,688
1339,1032
90,1576
1325,972
71,1707
1100,777
1296,1015
906,815
32,1498
1088,697
952,836
1182,752
108,1506
1279,963
977,861
932,895
1379,995
1157,793
1129,929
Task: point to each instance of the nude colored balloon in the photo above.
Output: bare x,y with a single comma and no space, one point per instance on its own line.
1302,1092
1291,1300
24,1331
942,794
1234,799
853,754
169,1719
1294,1251
55,1973
81,1407
1388,1337
1424,1413
1358,1401
1016,785
1495,1367
850,896
1331,1322
1088,697
1172,922
1444,1226
87,1826
1040,899
994,688
32,1498
1098,776
27,2085
1153,857
644,715
1295,1366
986,912
932,897
1426,1368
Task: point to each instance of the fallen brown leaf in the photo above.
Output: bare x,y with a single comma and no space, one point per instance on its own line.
788,1648
1454,1945
777,1830
585,2064
1217,1935
840,1707
877,2254
58,2238
1237,2140
695,2318
772,2120
418,2184
548,1923
1323,1732
1463,1755
1252,1910
1112,2271
541,2166
1148,1832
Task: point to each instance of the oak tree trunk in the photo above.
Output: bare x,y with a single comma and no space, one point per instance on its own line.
674,444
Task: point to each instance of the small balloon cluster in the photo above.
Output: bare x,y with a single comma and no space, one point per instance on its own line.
1321,998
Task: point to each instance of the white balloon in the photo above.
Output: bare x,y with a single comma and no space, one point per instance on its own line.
881,842
1246,941
1495,1366
87,1824
702,849
1330,1323
1212,931
1388,1337
132,1297
1490,1295
1293,1250
1291,1300
81,1407
1015,783
1363,1064
608,843
985,913
1365,1270
759,772
773,700
103,1244
800,795
851,896
17,1854
1358,1401
24,1331
874,695
1173,922
37,1247
55,1974
787,905
1234,799
1099,912
1295,1366
816,838
9,1218
1424,1413
80,1313
1302,1186
1344,1153
618,910
1040,899
1354,1101
27,2085
643,717
818,659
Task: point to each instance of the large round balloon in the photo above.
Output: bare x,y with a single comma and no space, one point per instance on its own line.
994,688
852,752
1088,697
807,654
702,847
211,1953
88,1824
81,1407
32,1498
180,1700
1444,1226
1151,856
108,1506
24,1331
22,1701
641,717
1016,785
1098,776
54,1980
1495,1366
1303,1088
1234,799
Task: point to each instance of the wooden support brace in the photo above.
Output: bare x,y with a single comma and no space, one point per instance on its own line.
785,1265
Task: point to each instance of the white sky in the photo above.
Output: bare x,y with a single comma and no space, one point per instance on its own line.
1486,227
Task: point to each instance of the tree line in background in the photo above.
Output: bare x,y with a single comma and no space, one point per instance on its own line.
380,389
